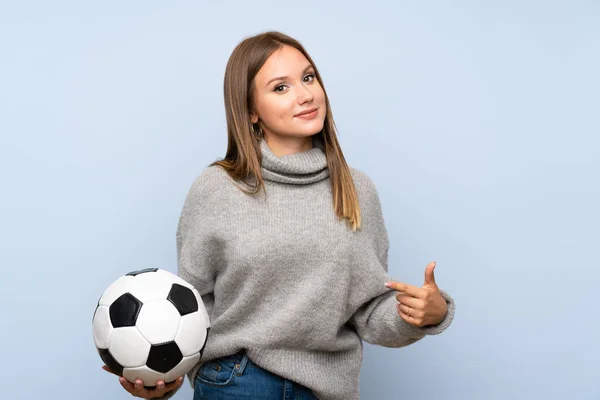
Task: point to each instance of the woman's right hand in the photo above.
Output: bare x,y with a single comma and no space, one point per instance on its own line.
138,389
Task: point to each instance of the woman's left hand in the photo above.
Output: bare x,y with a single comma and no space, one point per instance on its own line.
420,306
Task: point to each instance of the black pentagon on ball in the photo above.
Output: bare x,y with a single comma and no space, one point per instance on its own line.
164,357
183,299
124,311
110,361
141,271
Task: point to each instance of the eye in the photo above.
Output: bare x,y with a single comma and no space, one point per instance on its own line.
311,75
279,88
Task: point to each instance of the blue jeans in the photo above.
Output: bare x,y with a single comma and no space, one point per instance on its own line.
237,377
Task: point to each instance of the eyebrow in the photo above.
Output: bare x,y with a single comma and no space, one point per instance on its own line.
309,66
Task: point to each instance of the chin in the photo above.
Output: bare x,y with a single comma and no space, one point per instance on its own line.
313,128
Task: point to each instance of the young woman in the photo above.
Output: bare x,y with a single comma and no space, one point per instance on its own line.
287,245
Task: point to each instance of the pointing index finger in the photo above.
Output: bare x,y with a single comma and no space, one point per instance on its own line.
403,287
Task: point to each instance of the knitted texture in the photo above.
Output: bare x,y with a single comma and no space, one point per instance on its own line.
284,279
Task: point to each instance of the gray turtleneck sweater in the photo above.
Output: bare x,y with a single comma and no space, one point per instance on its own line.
287,281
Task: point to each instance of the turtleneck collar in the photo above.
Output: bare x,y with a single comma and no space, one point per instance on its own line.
300,168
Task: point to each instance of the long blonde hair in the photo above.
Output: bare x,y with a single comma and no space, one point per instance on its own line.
243,158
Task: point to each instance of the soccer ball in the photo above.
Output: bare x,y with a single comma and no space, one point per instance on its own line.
150,325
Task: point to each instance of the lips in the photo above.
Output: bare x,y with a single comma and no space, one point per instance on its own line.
306,112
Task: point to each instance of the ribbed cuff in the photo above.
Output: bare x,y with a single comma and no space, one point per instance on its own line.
445,323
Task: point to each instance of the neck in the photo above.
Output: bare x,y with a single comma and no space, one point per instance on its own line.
284,146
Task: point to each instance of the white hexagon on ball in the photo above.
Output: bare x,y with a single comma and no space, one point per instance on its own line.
191,334
115,290
147,375
176,279
150,286
102,327
129,347
158,330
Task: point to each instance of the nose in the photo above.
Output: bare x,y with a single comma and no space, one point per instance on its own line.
304,95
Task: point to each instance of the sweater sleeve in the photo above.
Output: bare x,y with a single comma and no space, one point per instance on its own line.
377,321
197,252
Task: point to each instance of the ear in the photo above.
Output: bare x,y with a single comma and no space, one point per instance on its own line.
253,118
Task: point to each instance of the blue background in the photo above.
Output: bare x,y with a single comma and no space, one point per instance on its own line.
478,122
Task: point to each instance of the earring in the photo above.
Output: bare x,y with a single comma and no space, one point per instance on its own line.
258,135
